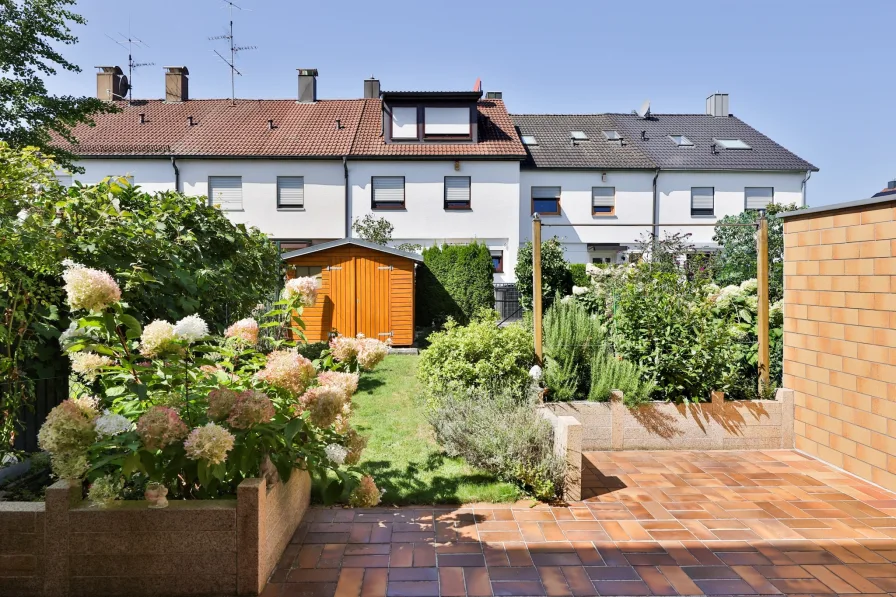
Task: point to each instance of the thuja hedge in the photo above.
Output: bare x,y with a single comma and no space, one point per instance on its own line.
455,281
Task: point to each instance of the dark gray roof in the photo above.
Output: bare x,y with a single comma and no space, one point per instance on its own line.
351,241
656,150
556,150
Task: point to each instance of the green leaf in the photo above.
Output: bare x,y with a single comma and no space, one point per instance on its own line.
292,428
132,464
333,491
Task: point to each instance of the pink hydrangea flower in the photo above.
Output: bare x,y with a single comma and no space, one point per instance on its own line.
366,494
305,288
288,370
87,288
245,330
220,403
347,382
324,404
344,348
251,408
160,426
371,353
211,443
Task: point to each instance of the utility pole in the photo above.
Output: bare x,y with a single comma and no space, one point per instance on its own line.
763,296
536,286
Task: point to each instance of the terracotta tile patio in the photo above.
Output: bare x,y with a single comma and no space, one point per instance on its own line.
658,523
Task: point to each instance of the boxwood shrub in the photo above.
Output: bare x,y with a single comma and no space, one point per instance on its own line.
455,281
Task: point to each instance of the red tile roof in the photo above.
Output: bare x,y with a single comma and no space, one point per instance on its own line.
300,130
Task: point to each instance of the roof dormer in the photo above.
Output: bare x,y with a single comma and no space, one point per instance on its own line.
430,116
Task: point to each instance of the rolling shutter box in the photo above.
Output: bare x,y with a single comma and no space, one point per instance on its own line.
759,197
291,191
545,192
603,196
388,190
702,199
226,191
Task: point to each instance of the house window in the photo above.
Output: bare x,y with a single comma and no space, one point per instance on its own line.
603,201
529,140
681,141
731,144
758,197
64,179
578,135
388,192
285,246
226,192
307,271
546,201
612,135
457,192
601,260
290,192
404,122
498,261
446,122
702,201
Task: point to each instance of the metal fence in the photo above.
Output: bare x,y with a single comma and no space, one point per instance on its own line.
507,302
47,393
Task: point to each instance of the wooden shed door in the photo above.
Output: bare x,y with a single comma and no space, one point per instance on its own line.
342,292
372,301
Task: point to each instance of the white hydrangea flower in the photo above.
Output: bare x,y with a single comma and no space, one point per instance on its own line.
775,309
536,373
711,288
579,290
749,286
88,364
191,328
591,269
752,302
110,424
336,453
65,338
157,338
727,294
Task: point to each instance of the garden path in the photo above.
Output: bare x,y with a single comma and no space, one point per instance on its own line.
658,523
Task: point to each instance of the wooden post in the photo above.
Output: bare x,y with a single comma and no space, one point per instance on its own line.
762,295
536,286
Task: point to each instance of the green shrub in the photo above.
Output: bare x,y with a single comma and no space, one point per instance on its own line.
578,275
476,355
555,274
501,433
455,281
610,373
571,337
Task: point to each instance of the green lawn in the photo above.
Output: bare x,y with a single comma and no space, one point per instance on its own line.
402,454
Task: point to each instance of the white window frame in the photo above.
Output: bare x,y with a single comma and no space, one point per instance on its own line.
220,179
294,191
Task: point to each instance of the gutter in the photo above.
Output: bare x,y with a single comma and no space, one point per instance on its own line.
348,213
176,174
656,207
803,186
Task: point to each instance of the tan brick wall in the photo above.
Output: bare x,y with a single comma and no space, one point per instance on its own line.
840,337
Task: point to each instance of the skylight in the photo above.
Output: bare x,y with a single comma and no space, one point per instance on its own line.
681,140
578,135
529,140
731,144
612,135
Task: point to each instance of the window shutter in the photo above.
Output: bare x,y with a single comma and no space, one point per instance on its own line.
226,191
388,189
702,198
759,197
603,196
457,189
545,192
290,191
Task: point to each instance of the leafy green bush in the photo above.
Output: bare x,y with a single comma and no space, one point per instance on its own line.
579,275
455,281
501,433
555,274
610,373
477,355
571,337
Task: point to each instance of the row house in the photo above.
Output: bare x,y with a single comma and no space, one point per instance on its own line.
441,166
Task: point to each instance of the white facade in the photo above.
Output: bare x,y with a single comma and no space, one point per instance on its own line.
634,205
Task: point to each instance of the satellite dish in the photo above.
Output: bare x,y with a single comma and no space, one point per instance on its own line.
644,110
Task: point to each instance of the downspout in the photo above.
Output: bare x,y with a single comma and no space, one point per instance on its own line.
348,213
656,207
803,189
176,174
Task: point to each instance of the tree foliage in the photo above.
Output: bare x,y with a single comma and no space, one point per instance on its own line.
555,273
456,281
373,229
31,31
736,261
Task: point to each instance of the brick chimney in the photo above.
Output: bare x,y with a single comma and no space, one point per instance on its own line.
307,85
111,83
177,80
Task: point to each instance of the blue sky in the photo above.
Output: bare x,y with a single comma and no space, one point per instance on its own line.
816,76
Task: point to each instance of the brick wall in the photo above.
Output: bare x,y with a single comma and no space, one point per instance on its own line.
840,335
21,549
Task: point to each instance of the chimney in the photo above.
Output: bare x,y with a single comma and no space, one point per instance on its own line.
371,88
717,105
177,80
307,85
111,83
494,95
891,185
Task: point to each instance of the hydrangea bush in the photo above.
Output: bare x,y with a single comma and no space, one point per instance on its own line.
200,413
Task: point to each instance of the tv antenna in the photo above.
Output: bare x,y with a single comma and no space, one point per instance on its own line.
234,50
129,42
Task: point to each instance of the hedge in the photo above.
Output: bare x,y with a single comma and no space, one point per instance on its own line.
455,281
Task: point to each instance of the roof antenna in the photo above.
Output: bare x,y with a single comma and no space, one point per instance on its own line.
128,42
234,50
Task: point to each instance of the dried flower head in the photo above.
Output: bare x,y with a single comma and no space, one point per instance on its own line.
211,442
220,403
68,433
160,426
89,364
191,328
251,408
355,442
244,330
304,288
288,370
324,404
366,494
158,337
344,348
89,289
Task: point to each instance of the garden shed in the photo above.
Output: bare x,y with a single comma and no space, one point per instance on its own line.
365,288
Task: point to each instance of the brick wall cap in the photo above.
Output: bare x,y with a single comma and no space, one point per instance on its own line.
823,209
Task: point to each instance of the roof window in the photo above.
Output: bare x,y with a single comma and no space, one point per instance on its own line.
578,135
731,144
612,135
681,141
529,140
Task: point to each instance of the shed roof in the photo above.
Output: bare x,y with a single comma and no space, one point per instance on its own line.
355,242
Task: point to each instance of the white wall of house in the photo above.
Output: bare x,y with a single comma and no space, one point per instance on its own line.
494,197
153,175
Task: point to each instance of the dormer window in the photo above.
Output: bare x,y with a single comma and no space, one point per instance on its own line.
446,122
731,144
681,141
612,135
404,122
529,140
578,135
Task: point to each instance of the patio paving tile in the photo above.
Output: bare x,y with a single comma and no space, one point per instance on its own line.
726,523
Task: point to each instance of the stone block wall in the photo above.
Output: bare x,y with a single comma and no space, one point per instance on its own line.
840,334
22,549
